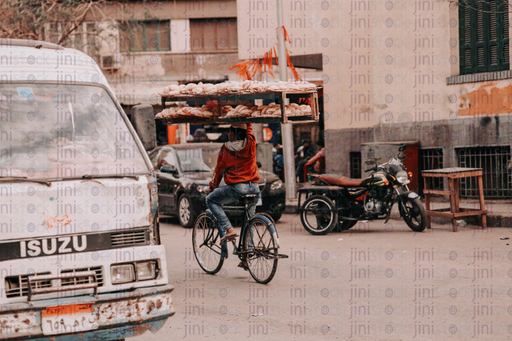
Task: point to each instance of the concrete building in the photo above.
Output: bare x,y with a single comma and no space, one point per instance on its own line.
143,46
432,72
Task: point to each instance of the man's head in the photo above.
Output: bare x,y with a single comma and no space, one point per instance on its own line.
237,132
304,142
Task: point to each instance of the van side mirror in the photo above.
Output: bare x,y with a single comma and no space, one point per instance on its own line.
169,169
143,120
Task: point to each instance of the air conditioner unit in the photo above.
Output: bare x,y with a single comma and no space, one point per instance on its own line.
110,63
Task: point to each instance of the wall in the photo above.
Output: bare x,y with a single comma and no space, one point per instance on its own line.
386,65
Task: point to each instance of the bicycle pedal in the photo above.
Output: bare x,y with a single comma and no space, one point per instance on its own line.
282,256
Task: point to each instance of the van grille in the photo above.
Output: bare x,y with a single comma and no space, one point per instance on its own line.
83,279
128,238
16,286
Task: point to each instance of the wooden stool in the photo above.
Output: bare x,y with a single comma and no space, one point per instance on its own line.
454,211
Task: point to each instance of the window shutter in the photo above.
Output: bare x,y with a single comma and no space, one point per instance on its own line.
483,36
493,33
465,41
467,34
482,32
504,38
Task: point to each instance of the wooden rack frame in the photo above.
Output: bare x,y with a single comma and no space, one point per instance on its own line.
277,97
454,211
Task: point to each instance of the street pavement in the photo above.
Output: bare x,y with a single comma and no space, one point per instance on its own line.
374,282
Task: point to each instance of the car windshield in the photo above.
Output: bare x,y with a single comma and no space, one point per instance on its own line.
197,159
50,131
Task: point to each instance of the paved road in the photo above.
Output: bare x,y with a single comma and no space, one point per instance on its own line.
373,282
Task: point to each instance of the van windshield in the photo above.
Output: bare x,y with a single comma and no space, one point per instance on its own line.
50,131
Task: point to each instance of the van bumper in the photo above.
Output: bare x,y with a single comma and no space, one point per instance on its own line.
119,315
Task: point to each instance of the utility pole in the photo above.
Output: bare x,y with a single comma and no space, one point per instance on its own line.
286,129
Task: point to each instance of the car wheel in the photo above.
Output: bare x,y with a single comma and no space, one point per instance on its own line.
276,215
186,214
273,211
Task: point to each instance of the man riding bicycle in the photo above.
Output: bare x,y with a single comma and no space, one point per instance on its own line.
237,164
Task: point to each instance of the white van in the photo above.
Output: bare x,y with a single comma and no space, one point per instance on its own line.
80,252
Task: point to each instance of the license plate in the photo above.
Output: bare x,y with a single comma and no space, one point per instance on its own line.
259,203
69,319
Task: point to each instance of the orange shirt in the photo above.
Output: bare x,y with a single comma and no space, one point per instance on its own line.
237,166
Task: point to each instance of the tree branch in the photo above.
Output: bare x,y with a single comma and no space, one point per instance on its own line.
80,21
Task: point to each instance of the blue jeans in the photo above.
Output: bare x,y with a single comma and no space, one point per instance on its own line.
230,194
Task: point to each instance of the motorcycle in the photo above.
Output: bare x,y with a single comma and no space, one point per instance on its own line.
341,202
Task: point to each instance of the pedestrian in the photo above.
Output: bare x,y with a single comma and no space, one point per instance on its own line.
318,161
303,153
279,164
302,150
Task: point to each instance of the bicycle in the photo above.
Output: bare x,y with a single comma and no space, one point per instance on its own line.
257,245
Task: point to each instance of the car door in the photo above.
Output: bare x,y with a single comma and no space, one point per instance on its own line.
167,182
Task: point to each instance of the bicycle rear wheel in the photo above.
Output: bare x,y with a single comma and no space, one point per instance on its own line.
206,244
261,246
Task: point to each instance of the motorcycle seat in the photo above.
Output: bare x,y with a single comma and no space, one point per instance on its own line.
343,181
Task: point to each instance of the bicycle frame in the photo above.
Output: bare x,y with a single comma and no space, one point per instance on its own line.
239,250
249,250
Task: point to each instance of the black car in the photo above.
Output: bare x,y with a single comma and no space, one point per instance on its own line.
184,172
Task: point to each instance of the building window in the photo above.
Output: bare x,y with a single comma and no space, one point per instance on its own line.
355,165
483,36
85,37
151,35
495,162
430,159
213,34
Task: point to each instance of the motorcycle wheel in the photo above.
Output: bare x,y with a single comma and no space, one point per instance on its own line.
415,215
318,215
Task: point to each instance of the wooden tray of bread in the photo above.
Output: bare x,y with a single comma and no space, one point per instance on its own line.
248,101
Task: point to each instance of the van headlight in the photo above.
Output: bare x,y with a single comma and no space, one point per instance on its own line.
123,273
402,177
276,185
134,272
146,270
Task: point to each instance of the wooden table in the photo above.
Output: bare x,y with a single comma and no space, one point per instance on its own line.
454,211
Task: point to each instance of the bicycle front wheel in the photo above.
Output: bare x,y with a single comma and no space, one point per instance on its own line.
261,247
206,244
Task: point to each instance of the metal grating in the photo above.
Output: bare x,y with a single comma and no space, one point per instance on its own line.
355,165
430,159
16,286
83,279
128,238
494,161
